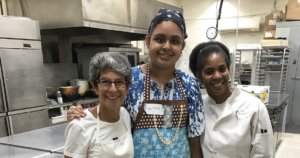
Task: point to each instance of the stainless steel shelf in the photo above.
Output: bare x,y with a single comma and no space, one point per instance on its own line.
269,68
273,64
269,56
79,101
270,71
274,67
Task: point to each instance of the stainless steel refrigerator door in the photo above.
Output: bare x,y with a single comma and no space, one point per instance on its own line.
28,121
23,76
2,97
3,125
294,41
291,29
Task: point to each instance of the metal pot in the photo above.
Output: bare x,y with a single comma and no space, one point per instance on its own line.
82,84
51,92
69,93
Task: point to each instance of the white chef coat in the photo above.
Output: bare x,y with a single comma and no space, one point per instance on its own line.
91,137
238,128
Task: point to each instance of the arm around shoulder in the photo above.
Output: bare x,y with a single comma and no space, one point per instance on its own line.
195,147
75,112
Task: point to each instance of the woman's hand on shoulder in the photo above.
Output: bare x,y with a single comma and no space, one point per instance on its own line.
75,112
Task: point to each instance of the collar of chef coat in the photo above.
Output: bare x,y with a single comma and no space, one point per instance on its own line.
230,107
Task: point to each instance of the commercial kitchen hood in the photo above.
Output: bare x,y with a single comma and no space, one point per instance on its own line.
128,18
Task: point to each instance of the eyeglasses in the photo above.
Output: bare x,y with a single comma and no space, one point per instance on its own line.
107,83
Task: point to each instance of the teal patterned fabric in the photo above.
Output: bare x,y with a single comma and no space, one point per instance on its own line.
147,144
196,117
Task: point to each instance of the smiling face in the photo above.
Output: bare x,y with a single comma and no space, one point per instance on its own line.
165,44
111,97
215,77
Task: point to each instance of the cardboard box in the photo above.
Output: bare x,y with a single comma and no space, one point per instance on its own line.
272,19
293,10
269,34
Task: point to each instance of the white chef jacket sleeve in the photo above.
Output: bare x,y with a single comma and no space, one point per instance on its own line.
77,141
262,142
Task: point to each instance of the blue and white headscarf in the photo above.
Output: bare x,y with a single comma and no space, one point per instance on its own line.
165,14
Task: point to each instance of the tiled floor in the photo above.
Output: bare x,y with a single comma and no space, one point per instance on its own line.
289,146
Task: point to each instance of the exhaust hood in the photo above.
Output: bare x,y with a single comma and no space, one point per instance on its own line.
128,18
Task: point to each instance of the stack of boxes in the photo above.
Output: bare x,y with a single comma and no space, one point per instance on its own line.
293,10
292,13
270,23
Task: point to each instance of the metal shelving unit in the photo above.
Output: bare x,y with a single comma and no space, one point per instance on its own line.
247,71
272,66
269,66
258,77
237,66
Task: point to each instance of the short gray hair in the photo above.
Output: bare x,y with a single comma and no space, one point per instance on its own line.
109,60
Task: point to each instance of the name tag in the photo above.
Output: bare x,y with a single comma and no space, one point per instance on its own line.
154,109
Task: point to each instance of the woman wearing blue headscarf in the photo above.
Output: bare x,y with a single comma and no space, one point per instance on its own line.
164,103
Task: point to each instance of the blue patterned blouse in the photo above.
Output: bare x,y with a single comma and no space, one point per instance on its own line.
135,97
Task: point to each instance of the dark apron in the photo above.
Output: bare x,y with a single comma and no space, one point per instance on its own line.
176,112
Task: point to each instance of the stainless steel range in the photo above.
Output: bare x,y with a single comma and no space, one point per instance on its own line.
22,82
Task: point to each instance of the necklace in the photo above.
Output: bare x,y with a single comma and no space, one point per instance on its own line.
147,97
147,84
168,142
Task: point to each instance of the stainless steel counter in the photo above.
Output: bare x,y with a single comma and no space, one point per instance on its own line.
7,151
49,139
59,151
51,155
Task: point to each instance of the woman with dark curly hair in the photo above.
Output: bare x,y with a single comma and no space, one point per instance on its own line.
237,123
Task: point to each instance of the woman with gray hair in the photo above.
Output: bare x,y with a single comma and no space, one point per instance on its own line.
164,102
106,129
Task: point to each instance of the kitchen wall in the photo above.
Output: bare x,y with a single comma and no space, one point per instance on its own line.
144,54
172,2
201,14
